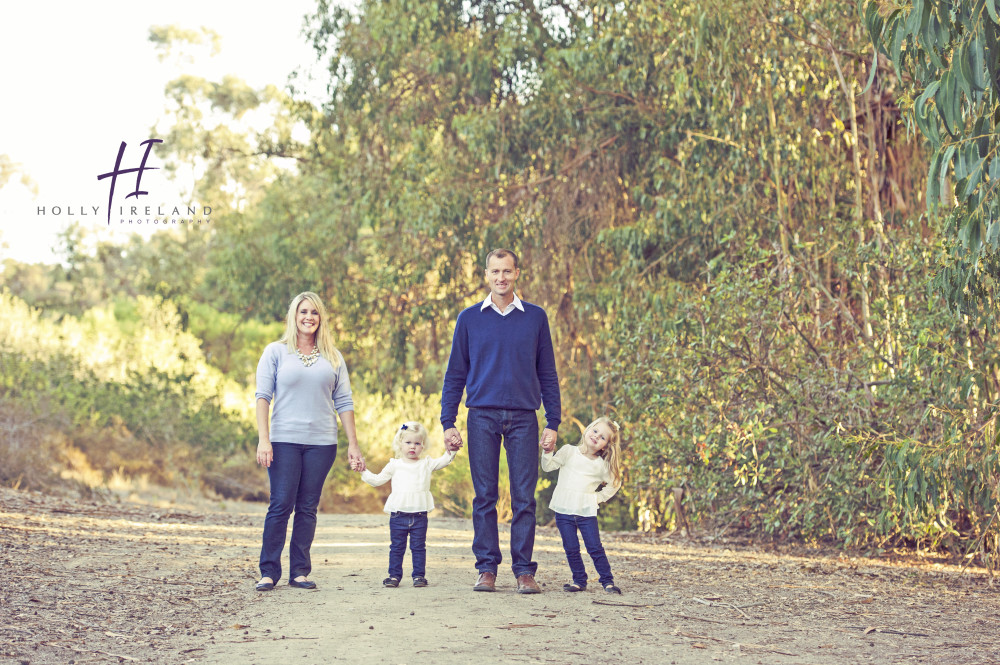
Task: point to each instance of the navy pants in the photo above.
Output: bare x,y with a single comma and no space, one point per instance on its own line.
517,429
297,474
401,526
568,526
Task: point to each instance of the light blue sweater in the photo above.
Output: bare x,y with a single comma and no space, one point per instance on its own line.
304,400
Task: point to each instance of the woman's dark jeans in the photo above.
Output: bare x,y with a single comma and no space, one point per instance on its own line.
402,525
297,474
568,526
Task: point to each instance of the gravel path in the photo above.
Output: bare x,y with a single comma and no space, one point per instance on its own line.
95,582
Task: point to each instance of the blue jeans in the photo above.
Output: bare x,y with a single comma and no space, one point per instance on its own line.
296,474
518,429
568,525
402,525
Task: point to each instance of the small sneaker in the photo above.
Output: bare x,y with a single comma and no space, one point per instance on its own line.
419,581
611,588
391,582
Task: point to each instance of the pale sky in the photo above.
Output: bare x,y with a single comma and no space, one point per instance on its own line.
79,78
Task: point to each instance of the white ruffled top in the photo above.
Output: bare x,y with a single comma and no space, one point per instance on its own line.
411,482
579,477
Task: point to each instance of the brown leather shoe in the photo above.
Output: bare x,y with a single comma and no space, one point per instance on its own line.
487,582
526,584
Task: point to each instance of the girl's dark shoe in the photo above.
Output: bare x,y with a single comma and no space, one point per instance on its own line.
573,587
303,584
419,581
611,588
264,586
391,582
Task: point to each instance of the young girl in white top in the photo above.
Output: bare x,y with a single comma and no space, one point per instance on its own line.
582,469
410,499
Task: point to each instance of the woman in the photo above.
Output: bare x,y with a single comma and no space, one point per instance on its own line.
304,378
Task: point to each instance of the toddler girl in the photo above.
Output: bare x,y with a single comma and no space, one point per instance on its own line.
582,469
410,499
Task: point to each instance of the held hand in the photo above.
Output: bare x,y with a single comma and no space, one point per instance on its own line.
452,439
355,458
265,453
548,440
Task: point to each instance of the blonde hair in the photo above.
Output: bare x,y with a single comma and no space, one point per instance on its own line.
612,453
409,427
324,340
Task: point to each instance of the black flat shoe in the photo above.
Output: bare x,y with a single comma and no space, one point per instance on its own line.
611,588
391,582
264,586
304,584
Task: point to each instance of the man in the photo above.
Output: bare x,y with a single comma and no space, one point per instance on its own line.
502,356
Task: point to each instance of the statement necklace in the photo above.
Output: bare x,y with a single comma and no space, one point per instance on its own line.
308,359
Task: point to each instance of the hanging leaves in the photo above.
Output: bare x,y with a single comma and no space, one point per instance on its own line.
950,50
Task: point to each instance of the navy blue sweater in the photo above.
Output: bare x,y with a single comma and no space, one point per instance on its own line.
502,362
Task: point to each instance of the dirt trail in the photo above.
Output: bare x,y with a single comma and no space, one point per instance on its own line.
92,583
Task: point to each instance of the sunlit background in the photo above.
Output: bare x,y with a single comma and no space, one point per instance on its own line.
722,205
80,78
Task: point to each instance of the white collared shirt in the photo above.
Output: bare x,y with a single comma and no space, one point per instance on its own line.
516,303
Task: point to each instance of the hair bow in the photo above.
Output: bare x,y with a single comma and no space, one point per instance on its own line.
404,426
617,426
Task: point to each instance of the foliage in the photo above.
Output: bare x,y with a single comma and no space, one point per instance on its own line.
948,50
712,211
728,231
946,54
778,428
124,388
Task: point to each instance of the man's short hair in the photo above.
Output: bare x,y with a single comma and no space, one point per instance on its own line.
499,254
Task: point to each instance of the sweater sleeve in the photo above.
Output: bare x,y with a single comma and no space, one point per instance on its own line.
545,367
610,489
267,373
456,374
553,461
380,479
443,461
611,486
343,398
